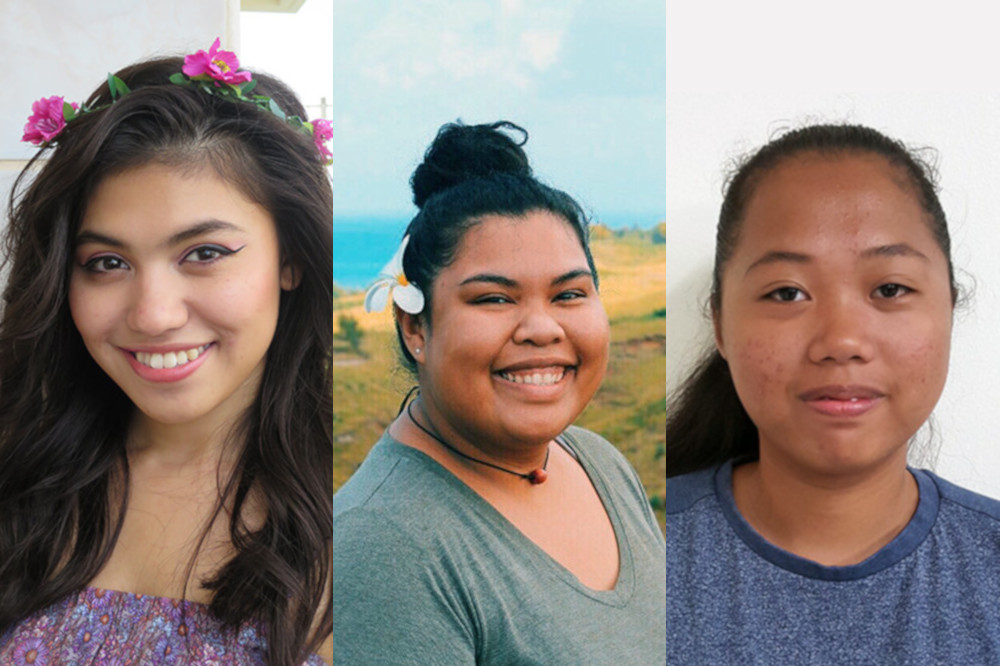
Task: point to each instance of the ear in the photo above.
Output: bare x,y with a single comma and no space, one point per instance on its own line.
291,276
719,342
414,332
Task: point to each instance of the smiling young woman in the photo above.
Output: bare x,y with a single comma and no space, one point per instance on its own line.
483,527
832,304
165,402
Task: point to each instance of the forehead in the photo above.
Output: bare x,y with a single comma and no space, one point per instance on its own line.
829,202
150,197
537,238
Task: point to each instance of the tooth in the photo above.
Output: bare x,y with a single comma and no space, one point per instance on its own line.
182,358
170,360
156,361
194,353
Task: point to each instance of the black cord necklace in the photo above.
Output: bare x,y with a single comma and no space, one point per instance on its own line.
535,476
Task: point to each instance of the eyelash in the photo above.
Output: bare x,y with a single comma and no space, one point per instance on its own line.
901,290
499,298
92,265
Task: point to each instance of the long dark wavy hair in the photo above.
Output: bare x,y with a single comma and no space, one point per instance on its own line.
63,422
706,422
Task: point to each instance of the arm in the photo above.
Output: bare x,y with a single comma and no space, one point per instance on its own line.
392,601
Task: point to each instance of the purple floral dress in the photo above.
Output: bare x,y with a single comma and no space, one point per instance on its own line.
105,627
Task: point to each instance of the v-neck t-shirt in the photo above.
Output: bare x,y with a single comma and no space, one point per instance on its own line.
428,572
929,596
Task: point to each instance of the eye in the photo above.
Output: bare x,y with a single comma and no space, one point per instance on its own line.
571,295
786,295
890,290
207,254
105,263
492,299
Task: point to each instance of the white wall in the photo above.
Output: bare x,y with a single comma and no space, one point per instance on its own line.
705,132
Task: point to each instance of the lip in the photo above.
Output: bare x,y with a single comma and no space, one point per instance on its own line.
535,392
840,400
174,374
540,363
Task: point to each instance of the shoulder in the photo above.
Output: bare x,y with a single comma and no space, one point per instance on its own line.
588,443
964,501
602,455
687,490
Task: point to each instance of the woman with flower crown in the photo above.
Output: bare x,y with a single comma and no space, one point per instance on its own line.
483,528
165,402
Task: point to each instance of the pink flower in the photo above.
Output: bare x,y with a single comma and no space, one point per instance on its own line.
216,64
323,132
46,120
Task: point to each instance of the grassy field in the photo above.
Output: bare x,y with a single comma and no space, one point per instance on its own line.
629,410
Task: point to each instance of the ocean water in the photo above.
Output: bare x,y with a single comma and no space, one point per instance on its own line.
363,245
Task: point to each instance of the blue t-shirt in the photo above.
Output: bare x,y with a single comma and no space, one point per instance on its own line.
931,596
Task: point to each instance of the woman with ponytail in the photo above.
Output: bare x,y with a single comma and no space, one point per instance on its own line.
796,533
483,528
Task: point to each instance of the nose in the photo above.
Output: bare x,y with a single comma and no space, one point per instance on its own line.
843,333
538,326
157,304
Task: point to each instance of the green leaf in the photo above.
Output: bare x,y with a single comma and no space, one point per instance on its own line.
275,109
248,86
69,113
120,85
179,79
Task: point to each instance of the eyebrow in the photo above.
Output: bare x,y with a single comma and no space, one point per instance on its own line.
194,231
493,278
893,250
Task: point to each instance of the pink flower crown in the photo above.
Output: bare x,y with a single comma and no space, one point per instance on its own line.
215,72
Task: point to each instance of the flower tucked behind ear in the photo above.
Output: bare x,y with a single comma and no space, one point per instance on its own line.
393,281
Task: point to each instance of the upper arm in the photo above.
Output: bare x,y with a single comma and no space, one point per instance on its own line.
391,603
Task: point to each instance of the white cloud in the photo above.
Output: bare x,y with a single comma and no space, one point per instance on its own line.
431,42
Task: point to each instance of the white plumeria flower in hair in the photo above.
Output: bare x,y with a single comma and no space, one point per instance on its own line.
393,281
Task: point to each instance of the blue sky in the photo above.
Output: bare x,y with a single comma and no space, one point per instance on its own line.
586,78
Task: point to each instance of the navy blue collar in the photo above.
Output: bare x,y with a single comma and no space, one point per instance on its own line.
905,542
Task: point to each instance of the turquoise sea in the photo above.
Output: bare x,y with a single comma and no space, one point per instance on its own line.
362,245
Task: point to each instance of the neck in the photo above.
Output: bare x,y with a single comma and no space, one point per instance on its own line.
832,521
177,447
423,426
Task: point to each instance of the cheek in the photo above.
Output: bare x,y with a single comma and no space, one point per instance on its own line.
93,312
921,358
758,367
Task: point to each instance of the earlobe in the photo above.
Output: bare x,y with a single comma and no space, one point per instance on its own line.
411,327
719,345
290,277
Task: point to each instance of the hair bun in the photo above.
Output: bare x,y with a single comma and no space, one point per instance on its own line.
463,152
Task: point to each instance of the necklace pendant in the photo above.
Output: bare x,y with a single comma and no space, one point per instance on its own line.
538,476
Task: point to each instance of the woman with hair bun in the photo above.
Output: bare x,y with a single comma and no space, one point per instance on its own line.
796,532
483,527
165,394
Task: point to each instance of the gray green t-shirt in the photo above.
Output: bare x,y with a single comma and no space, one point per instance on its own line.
427,572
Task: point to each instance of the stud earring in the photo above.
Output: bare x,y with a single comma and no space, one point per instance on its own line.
416,351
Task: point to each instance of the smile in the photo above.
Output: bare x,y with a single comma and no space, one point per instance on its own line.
170,359
535,376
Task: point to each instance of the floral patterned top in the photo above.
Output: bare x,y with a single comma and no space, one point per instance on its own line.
105,627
